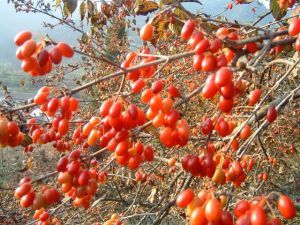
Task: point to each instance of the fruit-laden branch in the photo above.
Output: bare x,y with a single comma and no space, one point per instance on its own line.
184,100
231,43
144,126
113,75
259,105
243,149
257,38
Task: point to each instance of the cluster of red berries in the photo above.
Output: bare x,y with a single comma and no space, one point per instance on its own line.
232,171
67,105
205,49
10,134
41,135
28,148
199,166
76,182
254,212
161,111
37,61
140,176
139,76
112,130
272,160
44,218
235,173
60,125
224,32
263,176
221,81
28,197
62,145
204,208
205,60
174,131
222,126
205,57
247,163
254,97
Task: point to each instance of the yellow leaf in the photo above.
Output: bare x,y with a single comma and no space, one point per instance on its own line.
91,8
29,163
181,14
160,24
145,7
82,11
66,10
69,7
57,3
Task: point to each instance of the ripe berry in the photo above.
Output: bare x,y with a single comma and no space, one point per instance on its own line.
202,46
146,32
223,77
65,49
55,55
184,198
271,114
286,207
294,27
28,48
22,37
188,29
254,96
209,63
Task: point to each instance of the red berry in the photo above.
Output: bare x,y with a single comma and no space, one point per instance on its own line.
188,29
294,27
223,77
184,198
286,207
271,114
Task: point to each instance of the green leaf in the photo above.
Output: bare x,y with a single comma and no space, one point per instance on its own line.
82,11
57,3
277,12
